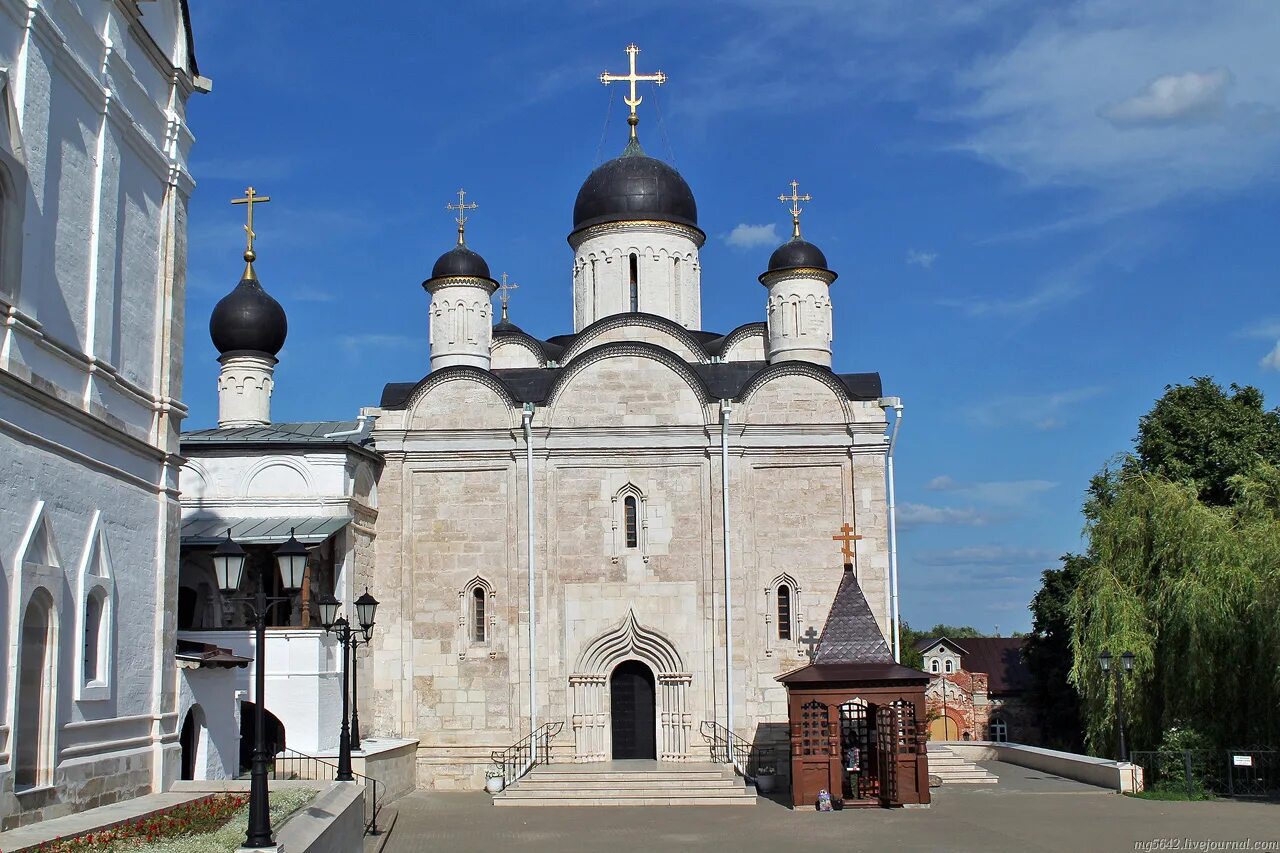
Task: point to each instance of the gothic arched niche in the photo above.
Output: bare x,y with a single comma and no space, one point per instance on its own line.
793,394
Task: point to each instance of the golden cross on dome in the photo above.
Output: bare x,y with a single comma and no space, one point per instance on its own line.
462,207
633,78
251,198
795,198
504,294
848,537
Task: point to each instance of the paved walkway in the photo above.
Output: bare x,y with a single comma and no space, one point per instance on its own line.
1028,810
102,817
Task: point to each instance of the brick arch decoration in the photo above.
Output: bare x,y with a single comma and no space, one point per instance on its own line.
629,640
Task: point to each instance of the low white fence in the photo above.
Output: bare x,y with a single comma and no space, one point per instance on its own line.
1117,775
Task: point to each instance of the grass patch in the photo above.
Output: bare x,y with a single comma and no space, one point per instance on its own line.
213,824
1174,795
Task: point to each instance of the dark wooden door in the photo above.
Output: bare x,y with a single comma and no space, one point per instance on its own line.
815,753
631,703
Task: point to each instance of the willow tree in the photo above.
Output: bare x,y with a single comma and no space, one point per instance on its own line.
1183,570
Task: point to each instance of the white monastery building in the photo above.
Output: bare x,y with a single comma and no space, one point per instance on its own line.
93,218
619,536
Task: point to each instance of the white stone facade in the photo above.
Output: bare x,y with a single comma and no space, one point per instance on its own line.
93,206
626,416
650,267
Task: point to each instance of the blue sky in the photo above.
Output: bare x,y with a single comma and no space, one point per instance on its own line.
1041,213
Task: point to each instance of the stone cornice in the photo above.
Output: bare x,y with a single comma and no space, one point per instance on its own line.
577,238
768,279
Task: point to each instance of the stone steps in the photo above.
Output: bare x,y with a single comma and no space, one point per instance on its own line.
629,784
954,770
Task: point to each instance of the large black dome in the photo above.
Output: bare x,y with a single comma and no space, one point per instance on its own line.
631,187
248,318
460,261
797,253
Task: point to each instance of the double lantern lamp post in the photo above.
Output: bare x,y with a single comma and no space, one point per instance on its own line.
350,639
1123,671
291,559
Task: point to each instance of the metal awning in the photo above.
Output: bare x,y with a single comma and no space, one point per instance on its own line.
250,530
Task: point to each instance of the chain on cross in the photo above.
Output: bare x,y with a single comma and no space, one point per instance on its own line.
462,207
795,198
633,78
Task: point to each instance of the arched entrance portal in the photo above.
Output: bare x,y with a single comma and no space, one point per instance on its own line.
37,662
631,711
944,728
635,673
194,740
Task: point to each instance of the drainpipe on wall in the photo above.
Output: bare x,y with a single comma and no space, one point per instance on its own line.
527,422
894,403
725,410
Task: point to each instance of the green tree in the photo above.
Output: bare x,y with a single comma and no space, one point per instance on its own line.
1047,653
1183,570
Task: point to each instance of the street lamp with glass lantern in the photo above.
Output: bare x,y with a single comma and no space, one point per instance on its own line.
228,564
1124,670
366,607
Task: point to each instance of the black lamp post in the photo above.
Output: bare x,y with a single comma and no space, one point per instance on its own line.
228,564
366,607
1124,670
348,636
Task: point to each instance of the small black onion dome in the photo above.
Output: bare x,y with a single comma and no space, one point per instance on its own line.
797,253
248,318
460,261
506,327
631,187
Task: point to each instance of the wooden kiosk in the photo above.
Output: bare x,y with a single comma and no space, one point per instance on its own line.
854,700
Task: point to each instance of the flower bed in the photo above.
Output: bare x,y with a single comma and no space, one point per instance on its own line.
214,824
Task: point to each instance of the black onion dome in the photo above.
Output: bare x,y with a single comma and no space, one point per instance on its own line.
797,253
248,318
632,187
460,261
506,327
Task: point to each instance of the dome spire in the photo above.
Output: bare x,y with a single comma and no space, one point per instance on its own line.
795,198
251,198
633,78
462,207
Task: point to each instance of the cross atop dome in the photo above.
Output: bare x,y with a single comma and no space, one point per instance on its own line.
795,198
633,78
462,207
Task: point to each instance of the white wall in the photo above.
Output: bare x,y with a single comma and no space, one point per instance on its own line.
94,145
213,689
670,274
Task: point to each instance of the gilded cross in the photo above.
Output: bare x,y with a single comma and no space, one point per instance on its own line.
251,198
633,78
504,294
795,198
462,207
848,537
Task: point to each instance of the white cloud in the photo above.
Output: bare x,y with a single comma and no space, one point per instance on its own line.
1039,299
374,340
1189,98
921,258
913,514
746,236
1271,361
942,483
1041,411
986,555
1006,493
311,294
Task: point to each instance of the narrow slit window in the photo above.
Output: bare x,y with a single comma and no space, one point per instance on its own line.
631,521
784,612
477,615
635,283
92,636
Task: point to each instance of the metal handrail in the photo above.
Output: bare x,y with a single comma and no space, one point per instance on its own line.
728,748
534,749
309,767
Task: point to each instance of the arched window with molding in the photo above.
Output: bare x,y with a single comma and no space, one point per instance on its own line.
948,665
630,525
933,665
634,285
782,614
476,617
97,616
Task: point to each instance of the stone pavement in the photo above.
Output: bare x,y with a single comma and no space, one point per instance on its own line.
1028,811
